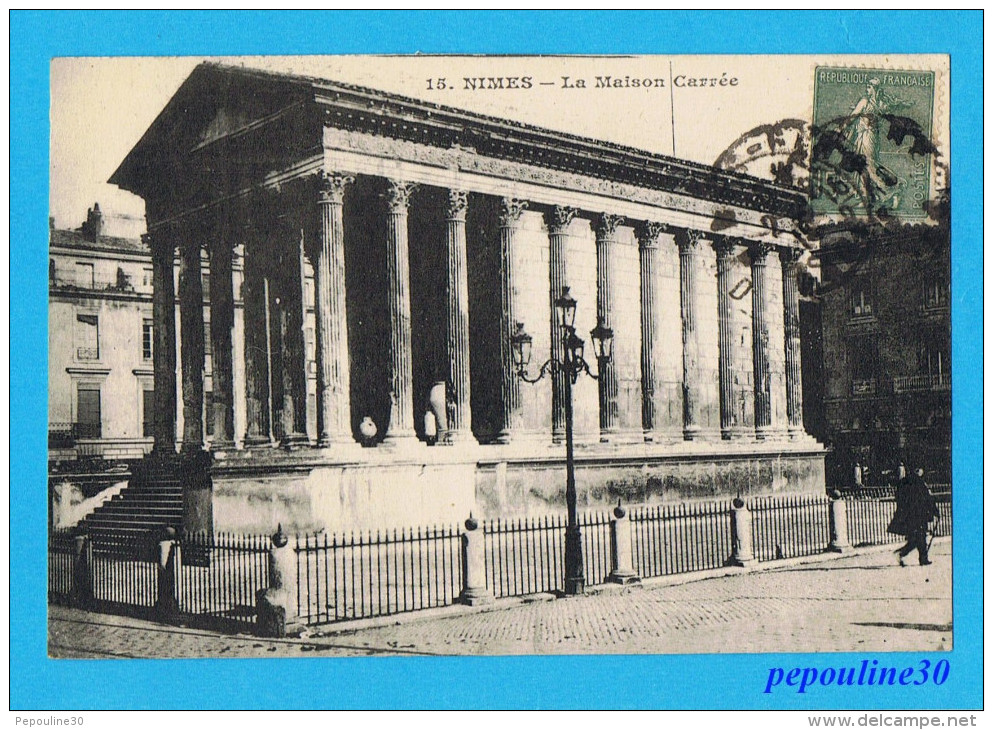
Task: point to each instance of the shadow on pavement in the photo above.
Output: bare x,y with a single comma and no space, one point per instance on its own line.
913,627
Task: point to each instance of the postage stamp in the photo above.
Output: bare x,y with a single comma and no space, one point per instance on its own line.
873,148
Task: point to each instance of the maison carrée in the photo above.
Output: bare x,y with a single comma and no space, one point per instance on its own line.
419,242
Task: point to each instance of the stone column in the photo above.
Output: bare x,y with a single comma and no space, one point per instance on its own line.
334,411
559,219
290,321
689,241
258,429
760,339
606,238
401,426
788,258
651,323
191,339
725,333
164,331
458,384
221,326
511,210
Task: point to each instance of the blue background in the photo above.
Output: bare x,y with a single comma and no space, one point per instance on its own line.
712,682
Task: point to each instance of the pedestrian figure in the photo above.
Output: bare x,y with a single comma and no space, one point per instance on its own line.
915,509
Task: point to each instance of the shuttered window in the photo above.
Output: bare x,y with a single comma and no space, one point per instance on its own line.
88,411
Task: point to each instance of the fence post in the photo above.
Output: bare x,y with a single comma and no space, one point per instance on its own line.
166,600
741,535
621,563
276,606
82,580
838,522
474,591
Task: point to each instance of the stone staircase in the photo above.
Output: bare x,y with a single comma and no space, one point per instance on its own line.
152,501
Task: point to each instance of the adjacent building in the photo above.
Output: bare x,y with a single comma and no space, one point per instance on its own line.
101,346
887,351
433,235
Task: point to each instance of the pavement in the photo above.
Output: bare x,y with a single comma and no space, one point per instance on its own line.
863,601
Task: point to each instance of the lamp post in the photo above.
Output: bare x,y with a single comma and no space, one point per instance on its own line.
571,365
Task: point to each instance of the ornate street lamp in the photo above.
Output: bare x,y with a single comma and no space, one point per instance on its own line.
571,366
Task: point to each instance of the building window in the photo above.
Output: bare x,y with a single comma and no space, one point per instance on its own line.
932,359
861,300
51,271
935,294
88,411
146,277
863,357
87,337
85,276
146,339
148,413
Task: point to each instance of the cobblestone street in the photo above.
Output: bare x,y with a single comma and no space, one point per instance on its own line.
862,602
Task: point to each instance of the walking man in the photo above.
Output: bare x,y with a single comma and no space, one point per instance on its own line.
915,509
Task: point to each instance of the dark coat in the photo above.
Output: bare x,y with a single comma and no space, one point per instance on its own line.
915,507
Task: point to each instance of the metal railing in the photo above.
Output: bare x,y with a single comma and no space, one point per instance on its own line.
595,528
870,509
680,538
376,574
525,555
789,526
123,572
907,383
61,557
218,576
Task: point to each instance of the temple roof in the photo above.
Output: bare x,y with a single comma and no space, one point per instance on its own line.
232,112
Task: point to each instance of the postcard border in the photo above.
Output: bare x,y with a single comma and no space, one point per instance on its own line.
663,682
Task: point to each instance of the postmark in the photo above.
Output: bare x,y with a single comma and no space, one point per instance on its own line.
872,155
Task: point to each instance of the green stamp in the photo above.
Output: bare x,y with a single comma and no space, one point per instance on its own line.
872,149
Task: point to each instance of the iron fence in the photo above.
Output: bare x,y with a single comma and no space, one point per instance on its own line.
525,556
680,538
61,557
789,526
217,577
595,528
376,574
870,509
123,572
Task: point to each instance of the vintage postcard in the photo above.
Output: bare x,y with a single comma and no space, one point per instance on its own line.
477,355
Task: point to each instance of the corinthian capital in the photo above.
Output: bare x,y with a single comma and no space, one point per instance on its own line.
332,186
458,202
560,217
725,246
759,251
398,195
511,210
606,226
648,233
689,239
789,256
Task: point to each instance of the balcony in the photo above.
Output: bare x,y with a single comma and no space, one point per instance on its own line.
120,283
865,387
911,383
65,435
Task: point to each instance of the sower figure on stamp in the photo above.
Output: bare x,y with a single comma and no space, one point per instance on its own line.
915,509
